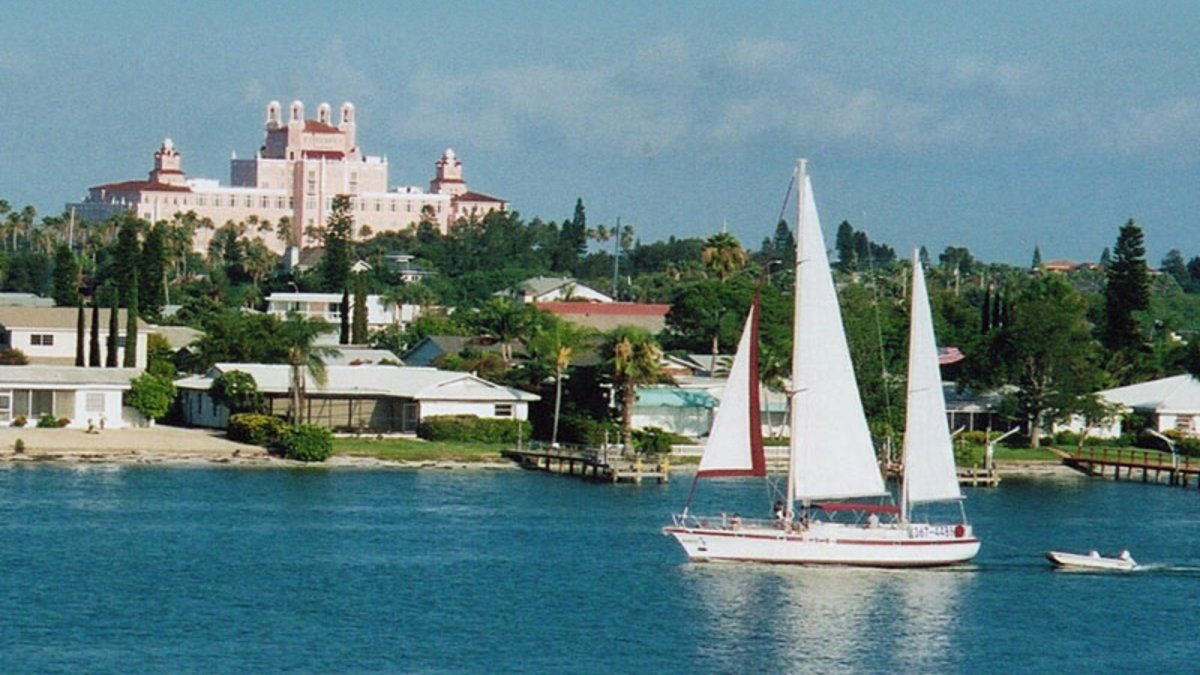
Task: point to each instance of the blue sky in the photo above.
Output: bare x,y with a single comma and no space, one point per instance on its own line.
995,126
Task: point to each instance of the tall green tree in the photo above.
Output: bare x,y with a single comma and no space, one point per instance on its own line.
1037,258
1127,290
114,326
65,290
556,343
127,255
80,333
723,256
505,321
131,329
339,235
152,272
344,318
305,358
1174,265
94,342
1046,350
358,331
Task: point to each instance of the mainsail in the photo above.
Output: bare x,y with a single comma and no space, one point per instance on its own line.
832,453
929,472
735,446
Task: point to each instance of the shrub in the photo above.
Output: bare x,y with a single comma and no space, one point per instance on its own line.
471,429
151,395
256,429
653,441
20,421
237,391
19,446
63,422
48,422
11,356
307,443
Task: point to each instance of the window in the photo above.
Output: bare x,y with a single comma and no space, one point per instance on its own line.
41,340
334,310
312,183
264,202
200,200
504,410
216,200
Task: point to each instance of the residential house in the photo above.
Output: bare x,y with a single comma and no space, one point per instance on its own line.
368,397
328,306
554,289
431,350
85,396
47,335
1169,404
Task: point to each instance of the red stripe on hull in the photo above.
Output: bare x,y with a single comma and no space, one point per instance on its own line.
866,542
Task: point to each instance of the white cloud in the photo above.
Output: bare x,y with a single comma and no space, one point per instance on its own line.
1005,78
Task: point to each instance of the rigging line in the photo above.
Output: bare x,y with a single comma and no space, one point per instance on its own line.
787,197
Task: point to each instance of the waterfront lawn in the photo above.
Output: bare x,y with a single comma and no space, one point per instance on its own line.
417,450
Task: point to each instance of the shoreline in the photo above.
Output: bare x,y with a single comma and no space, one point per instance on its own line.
175,446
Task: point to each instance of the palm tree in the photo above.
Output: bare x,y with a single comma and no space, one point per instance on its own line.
305,357
558,341
723,255
633,356
505,321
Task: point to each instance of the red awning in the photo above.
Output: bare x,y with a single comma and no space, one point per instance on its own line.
852,506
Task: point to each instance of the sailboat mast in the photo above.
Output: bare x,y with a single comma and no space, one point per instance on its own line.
794,407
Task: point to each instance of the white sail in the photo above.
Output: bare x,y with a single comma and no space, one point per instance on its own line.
734,444
832,453
929,472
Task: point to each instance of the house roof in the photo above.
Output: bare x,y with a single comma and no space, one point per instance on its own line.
68,376
177,337
141,186
315,127
674,397
470,196
57,318
605,316
421,384
351,355
1178,394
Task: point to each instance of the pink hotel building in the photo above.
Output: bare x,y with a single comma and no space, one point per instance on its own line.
301,166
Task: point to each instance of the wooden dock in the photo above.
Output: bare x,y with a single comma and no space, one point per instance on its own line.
589,464
1149,466
967,476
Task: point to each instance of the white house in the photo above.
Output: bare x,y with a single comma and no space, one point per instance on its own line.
328,306
1170,403
81,395
47,334
374,397
554,289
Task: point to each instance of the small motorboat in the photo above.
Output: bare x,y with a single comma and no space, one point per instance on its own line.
1093,561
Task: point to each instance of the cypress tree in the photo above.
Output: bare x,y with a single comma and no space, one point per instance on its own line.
126,262
1037,257
358,331
79,336
152,271
131,336
94,346
344,334
335,264
65,290
114,325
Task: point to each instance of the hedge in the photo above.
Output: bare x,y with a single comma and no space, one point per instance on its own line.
307,443
256,429
471,429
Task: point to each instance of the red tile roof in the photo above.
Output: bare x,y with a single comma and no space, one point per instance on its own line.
141,186
315,127
476,197
605,308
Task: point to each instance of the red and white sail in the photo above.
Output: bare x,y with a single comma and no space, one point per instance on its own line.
735,446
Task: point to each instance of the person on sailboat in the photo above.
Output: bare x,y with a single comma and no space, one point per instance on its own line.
873,520
779,510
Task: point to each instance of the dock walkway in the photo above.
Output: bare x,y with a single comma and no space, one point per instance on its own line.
603,466
1148,465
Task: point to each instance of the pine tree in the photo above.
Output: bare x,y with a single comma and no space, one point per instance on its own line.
1127,290
1037,257
358,331
94,344
335,264
847,260
126,263
152,272
131,331
80,336
783,245
65,290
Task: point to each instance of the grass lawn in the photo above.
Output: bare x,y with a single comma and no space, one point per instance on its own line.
416,450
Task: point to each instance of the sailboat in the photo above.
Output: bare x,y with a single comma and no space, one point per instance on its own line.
834,508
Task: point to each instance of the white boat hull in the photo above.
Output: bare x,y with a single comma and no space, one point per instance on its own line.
1092,561
912,545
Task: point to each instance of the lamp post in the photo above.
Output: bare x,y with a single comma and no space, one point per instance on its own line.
989,454
1170,444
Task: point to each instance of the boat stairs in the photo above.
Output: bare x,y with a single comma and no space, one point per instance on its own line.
590,464
1148,465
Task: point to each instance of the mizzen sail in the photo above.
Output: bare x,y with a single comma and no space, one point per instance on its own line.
929,472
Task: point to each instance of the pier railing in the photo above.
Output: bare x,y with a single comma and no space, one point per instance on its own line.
1150,465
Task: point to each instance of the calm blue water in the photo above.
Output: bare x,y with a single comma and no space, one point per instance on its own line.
196,570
